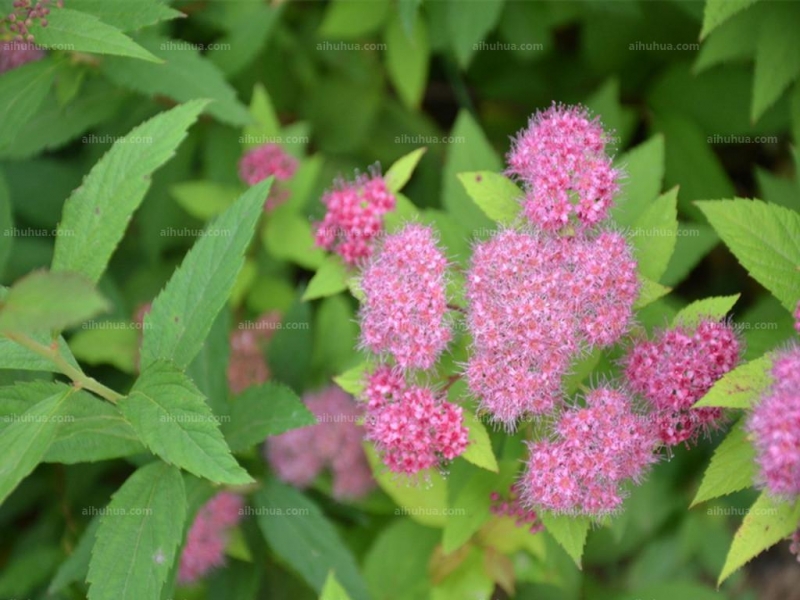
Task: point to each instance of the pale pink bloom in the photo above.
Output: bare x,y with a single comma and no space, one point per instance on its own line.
265,161
512,507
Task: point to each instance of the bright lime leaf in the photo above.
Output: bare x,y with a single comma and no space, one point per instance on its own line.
111,343
650,292
716,308
266,127
298,532
97,213
407,58
741,387
731,469
288,236
330,279
777,56
766,240
44,301
333,590
767,522
655,235
644,174
496,195
264,410
352,380
139,535
569,531
184,311
403,168
172,418
22,91
204,199
479,451
467,579
718,11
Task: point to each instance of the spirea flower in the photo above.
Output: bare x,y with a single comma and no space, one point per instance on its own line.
596,449
411,426
560,159
23,16
355,217
265,161
403,313
246,364
535,302
208,536
675,369
775,427
300,455
512,507
14,54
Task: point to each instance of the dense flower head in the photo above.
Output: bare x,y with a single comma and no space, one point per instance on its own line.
560,159
208,536
596,449
675,369
265,161
14,54
354,218
535,302
300,455
512,507
246,365
404,286
412,427
775,427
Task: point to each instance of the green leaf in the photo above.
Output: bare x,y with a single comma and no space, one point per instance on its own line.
716,308
402,169
695,241
732,468
185,75
407,58
184,311
765,239
171,417
44,301
15,356
656,234
741,387
650,292
731,42
205,199
6,224
81,32
300,535
467,578
127,15
569,531
718,11
111,343
248,34
352,19
479,451
496,195
209,369
330,279
262,411
288,236
138,536
266,126
25,441
469,510
465,28
644,175
767,522
289,351
333,590
777,56
335,333
74,569
352,380
22,91
97,213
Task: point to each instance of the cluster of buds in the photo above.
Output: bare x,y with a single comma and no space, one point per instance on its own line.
512,507
24,15
247,366
265,161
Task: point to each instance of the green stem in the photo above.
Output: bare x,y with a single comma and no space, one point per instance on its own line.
79,377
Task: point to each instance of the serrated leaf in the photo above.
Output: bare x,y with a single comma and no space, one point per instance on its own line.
185,75
333,590
716,308
299,533
182,314
479,451
97,214
138,537
172,418
650,292
496,195
718,11
777,56
330,279
569,531
15,356
766,523
656,232
25,441
44,301
741,387
402,169
262,411
407,58
127,15
352,380
465,28
765,239
81,32
22,91
732,468
644,174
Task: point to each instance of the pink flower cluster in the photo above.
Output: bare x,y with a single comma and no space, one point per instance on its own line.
208,536
355,217
265,161
300,455
597,449
535,303
676,369
411,426
775,427
246,364
560,159
14,54
512,507
404,285
24,15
